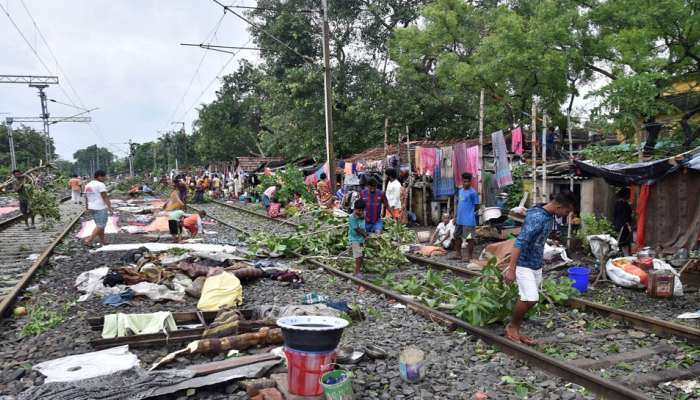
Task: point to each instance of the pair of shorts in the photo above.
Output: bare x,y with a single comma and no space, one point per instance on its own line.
175,227
394,213
358,249
100,217
529,281
375,227
465,232
24,207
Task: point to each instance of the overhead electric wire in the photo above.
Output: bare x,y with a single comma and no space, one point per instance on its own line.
199,66
92,125
273,37
55,59
233,55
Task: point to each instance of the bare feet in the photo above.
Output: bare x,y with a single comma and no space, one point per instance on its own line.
527,340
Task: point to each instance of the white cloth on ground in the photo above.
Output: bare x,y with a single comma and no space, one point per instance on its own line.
90,283
88,365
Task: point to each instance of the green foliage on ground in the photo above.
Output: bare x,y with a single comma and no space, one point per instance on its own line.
41,319
594,225
516,190
326,238
479,301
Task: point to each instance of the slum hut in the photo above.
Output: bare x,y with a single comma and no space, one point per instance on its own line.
666,194
432,169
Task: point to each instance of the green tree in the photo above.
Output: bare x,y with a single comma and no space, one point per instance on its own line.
29,147
92,158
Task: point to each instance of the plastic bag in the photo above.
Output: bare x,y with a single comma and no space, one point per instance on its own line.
221,290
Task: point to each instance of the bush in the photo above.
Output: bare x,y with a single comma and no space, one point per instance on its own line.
292,181
593,225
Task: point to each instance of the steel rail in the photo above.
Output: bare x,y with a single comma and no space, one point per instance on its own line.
10,298
655,325
603,387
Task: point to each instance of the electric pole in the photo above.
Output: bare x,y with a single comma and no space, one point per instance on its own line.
328,100
13,160
41,83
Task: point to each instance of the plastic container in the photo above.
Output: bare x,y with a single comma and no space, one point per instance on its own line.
412,364
661,283
304,370
337,385
312,333
579,275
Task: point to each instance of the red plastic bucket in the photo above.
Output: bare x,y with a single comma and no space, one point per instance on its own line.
305,370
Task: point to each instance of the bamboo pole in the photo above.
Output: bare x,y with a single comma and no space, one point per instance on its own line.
544,158
386,151
410,170
533,143
571,176
480,185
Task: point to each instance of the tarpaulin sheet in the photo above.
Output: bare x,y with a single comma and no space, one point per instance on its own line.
89,226
160,224
640,173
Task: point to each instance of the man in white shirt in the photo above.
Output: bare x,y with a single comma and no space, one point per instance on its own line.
393,196
444,233
98,204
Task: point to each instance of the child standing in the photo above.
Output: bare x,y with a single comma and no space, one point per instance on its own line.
175,219
357,235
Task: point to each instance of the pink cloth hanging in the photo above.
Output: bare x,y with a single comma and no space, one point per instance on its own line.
428,159
459,162
516,144
473,161
419,163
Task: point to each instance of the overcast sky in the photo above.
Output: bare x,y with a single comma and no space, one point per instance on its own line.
122,56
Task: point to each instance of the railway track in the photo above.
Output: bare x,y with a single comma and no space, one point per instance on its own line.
550,359
23,252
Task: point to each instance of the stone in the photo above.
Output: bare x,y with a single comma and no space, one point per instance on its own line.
636,334
568,395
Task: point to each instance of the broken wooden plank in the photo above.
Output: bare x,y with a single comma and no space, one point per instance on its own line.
665,375
216,366
638,354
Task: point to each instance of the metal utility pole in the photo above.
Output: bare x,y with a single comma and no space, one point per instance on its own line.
545,190
40,82
11,140
328,100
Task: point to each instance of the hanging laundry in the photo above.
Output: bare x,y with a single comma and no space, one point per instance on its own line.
516,144
473,161
442,186
459,162
500,155
419,165
446,163
428,158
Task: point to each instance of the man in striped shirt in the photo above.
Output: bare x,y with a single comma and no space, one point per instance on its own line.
374,200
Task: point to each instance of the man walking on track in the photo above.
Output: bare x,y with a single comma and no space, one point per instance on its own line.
465,219
526,259
25,191
97,202
76,188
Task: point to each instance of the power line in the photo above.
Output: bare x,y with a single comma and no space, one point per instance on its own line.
25,39
199,66
55,59
233,55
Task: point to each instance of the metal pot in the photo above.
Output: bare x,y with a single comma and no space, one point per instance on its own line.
492,213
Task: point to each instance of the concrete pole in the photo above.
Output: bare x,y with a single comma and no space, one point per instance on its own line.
328,97
11,140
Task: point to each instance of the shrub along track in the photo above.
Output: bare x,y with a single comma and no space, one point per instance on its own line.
17,245
609,348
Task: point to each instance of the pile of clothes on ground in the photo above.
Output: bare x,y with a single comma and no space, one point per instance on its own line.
213,277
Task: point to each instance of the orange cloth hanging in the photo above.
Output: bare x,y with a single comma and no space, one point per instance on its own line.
642,214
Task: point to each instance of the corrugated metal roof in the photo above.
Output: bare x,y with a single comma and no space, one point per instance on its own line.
251,164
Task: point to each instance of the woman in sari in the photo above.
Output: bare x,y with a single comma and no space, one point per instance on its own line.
174,202
323,189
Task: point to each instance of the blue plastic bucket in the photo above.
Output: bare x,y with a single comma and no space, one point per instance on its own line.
580,277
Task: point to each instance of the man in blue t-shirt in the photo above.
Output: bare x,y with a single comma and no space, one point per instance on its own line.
465,220
526,259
